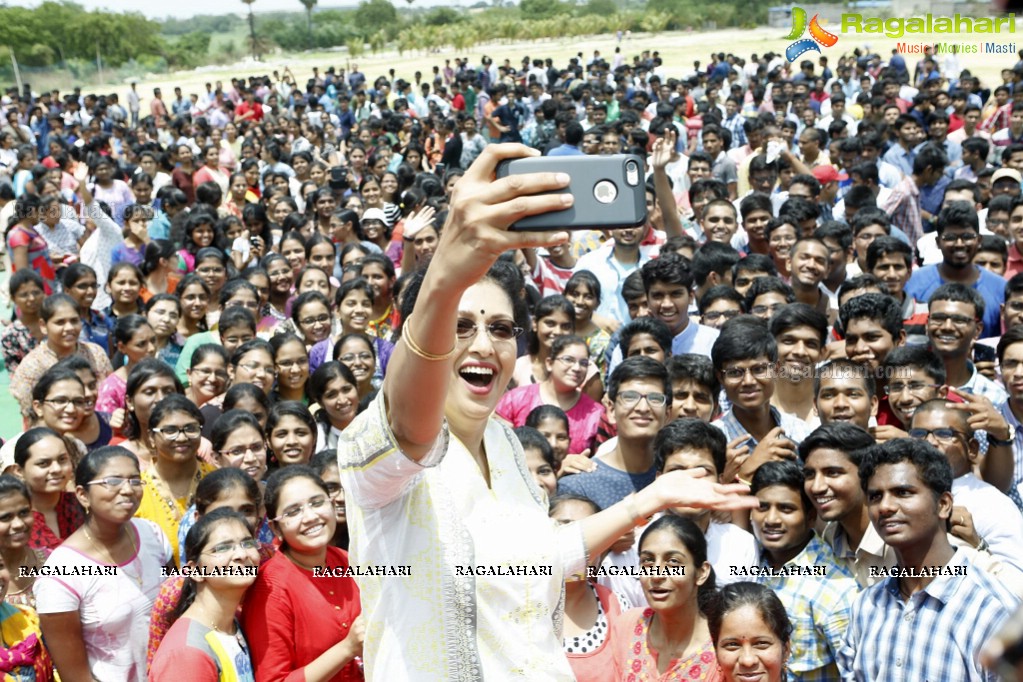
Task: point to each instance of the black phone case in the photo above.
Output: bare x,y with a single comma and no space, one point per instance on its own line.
587,213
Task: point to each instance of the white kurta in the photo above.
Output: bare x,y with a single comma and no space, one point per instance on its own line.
439,518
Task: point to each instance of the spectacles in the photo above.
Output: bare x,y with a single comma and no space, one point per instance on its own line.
498,331
62,403
291,513
914,387
965,237
256,368
938,319
352,357
766,309
255,449
758,371
116,482
572,362
631,398
288,364
225,548
203,372
191,431
211,271
319,319
943,435
715,315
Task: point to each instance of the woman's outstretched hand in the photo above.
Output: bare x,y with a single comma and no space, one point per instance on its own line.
483,207
694,488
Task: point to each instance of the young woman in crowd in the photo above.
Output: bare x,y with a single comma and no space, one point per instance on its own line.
163,312
175,427
291,363
200,232
26,248
149,382
292,248
238,442
63,322
207,373
669,639
23,654
28,329
124,286
109,188
45,463
553,316
311,315
332,387
206,643
752,633
358,353
101,620
296,623
552,423
182,175
353,308
291,433
583,291
591,610
539,459
234,198
324,463
282,279
194,295
211,170
566,369
79,282
96,428
159,275
211,266
17,526
58,402
135,340
224,489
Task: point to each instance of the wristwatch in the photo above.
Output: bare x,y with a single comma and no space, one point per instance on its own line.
1008,441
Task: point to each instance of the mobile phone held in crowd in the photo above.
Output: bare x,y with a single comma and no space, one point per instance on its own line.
609,191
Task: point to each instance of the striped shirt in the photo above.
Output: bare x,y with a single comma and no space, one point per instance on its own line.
933,636
794,428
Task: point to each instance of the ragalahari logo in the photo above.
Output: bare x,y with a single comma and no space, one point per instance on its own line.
817,35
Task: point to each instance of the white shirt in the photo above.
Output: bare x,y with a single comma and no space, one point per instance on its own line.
437,515
610,273
114,609
995,517
97,248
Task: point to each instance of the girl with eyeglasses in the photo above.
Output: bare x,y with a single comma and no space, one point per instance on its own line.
175,428
251,363
227,489
207,373
44,461
291,363
149,382
312,316
334,390
100,620
206,643
357,353
566,369
17,523
353,308
97,428
324,463
300,626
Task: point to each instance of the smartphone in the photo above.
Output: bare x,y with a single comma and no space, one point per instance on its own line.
609,191
439,170
338,178
983,353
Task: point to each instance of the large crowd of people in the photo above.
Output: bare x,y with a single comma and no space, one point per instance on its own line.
297,405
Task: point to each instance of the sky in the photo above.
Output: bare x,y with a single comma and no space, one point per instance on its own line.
188,8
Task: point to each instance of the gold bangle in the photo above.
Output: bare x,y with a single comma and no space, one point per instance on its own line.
638,520
406,335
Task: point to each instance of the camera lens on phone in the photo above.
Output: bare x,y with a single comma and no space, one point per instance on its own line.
632,173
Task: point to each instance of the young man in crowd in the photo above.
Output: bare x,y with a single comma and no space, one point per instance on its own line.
982,516
800,333
816,590
844,392
929,618
809,261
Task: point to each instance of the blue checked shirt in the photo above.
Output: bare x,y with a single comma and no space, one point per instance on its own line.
795,429
735,126
935,636
818,607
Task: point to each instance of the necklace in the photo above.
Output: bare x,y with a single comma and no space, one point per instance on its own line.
134,552
163,491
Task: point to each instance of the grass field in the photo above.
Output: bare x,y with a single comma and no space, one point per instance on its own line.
678,49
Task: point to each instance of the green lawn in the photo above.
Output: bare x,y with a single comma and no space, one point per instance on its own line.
10,414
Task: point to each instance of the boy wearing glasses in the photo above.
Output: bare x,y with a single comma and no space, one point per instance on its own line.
745,360
982,516
959,238
640,395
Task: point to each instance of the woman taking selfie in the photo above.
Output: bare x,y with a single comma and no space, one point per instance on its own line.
455,359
